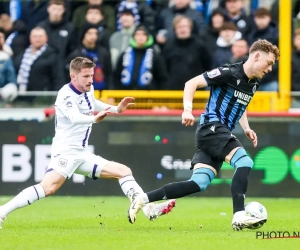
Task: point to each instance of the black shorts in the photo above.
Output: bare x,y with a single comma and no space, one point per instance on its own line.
214,141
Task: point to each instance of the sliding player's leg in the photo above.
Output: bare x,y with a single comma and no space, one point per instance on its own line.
51,182
205,168
98,167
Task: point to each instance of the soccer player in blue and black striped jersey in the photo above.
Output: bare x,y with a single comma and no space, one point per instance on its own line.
232,87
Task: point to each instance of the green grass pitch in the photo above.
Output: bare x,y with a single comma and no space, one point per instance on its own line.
101,223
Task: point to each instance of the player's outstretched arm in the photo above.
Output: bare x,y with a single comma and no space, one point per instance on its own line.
125,103
188,96
247,130
101,115
122,106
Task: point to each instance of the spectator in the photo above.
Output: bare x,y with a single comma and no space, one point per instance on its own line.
165,20
15,33
95,16
236,14
142,14
239,51
33,12
99,55
119,40
264,27
185,55
296,62
228,35
79,14
8,82
38,66
140,66
210,34
60,32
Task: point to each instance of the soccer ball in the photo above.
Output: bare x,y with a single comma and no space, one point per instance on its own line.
257,210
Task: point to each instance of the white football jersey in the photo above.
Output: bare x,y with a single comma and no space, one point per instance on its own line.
70,101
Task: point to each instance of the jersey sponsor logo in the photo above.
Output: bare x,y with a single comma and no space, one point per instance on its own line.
62,162
213,73
66,98
69,104
81,102
254,89
242,97
212,128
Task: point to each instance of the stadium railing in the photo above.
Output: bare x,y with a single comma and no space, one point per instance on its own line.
172,99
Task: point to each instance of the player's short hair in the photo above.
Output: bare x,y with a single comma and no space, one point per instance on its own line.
265,46
261,12
79,63
177,19
56,2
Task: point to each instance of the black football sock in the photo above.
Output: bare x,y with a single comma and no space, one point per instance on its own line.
239,187
173,190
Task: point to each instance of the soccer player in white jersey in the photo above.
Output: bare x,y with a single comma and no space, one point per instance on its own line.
75,105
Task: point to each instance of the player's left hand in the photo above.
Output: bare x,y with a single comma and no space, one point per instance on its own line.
125,103
187,118
251,136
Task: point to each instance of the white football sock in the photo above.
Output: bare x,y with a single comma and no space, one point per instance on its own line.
130,186
24,198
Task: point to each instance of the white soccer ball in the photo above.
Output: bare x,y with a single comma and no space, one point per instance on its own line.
257,210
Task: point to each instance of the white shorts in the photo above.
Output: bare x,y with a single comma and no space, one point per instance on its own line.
83,162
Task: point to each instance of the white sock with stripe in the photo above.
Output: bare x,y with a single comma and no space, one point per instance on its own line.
24,198
130,186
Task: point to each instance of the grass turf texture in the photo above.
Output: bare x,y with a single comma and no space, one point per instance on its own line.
101,223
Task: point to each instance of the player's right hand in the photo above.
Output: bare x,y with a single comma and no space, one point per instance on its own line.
101,115
187,118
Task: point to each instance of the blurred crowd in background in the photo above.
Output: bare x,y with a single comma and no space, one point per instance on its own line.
136,45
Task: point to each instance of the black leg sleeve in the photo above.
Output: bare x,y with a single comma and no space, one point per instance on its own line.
239,188
173,190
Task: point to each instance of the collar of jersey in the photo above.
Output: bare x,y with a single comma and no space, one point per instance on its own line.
252,81
74,89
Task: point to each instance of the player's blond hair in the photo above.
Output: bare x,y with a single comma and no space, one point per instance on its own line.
79,63
265,46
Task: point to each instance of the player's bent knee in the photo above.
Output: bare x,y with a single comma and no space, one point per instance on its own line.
122,170
203,177
125,170
241,159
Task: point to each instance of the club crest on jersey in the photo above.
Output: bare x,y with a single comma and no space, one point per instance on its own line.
213,73
69,104
62,162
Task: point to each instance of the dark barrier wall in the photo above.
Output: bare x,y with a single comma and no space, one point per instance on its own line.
158,150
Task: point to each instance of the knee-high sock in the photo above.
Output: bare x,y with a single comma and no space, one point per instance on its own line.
129,187
24,198
239,188
172,191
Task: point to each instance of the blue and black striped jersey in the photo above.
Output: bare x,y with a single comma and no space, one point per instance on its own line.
230,93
